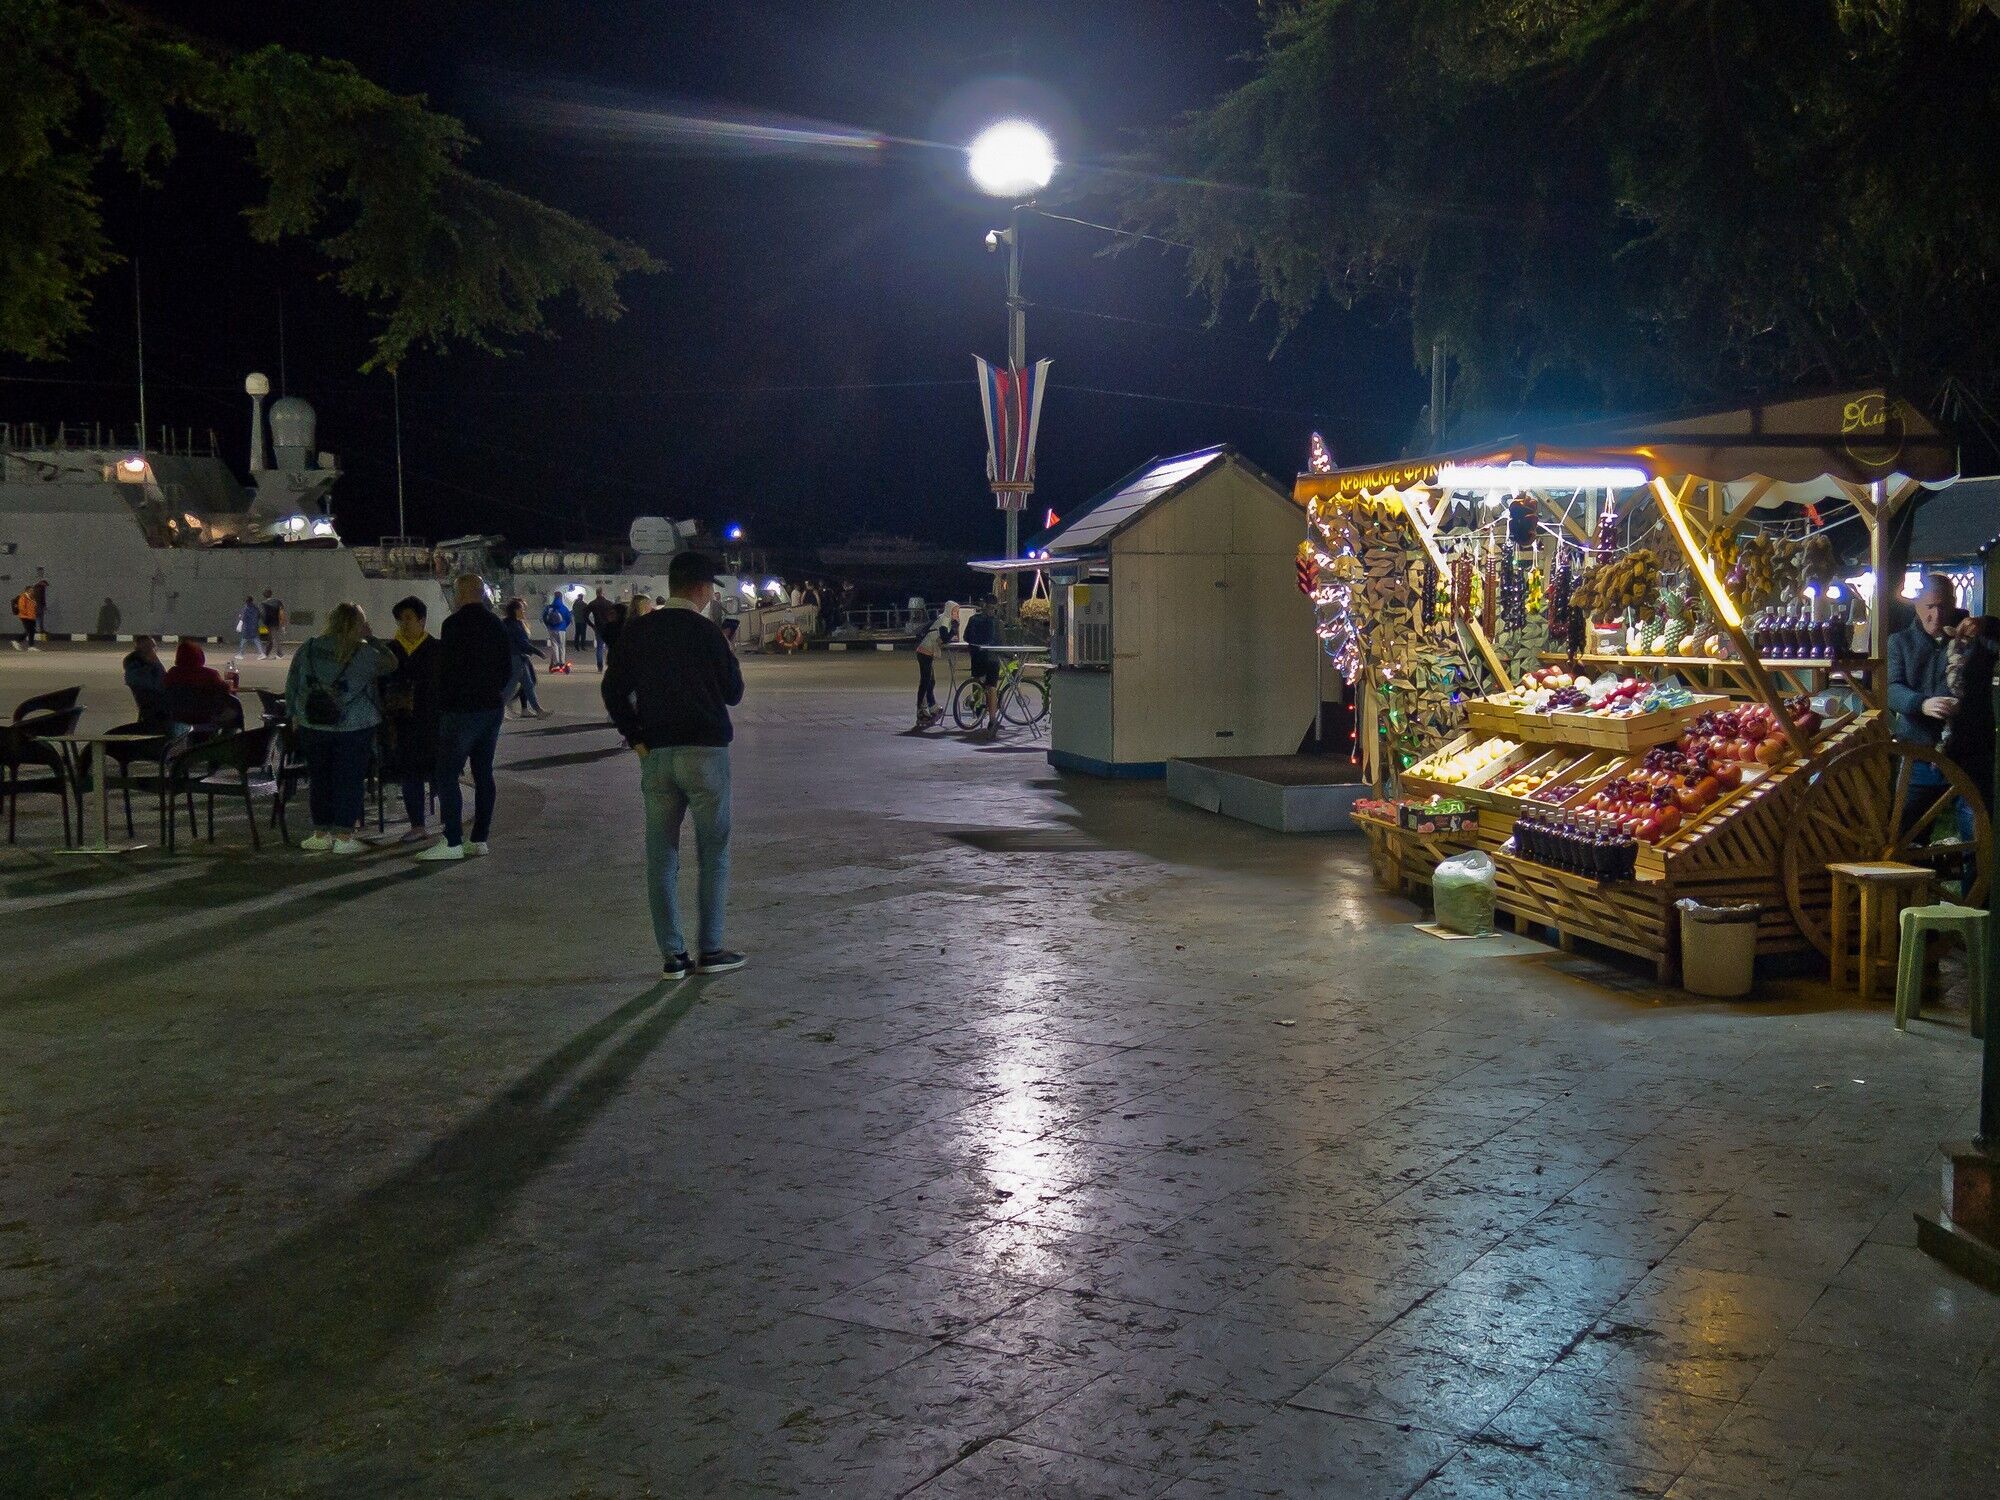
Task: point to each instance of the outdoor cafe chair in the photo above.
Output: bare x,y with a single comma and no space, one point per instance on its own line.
235,763
287,776
24,748
140,763
47,703
276,710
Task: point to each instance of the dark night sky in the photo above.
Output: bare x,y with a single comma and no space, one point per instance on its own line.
782,272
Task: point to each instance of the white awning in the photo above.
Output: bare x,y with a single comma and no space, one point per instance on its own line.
1038,564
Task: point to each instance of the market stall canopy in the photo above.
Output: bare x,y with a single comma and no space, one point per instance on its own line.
1806,446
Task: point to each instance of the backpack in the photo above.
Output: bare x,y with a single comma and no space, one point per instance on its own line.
322,703
552,617
24,605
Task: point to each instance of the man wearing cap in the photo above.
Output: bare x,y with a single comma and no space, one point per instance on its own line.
669,688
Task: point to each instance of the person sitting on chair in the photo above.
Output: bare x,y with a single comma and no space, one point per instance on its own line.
147,680
196,693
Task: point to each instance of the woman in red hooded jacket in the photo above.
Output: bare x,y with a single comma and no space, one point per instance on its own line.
196,693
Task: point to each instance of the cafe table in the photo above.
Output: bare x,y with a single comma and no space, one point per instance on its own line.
75,752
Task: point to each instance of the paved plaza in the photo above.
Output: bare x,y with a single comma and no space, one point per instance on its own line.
1058,1142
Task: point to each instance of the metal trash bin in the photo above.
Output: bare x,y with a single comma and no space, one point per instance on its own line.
1718,947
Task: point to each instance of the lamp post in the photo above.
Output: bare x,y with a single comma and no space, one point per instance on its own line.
1013,159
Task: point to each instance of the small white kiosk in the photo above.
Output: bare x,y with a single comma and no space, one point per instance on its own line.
1178,625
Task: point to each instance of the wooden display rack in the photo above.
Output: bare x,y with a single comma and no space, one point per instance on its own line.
1840,797
1730,854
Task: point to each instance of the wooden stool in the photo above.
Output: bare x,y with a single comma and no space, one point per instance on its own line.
1883,888
1969,922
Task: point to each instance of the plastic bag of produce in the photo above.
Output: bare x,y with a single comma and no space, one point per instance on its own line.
1462,891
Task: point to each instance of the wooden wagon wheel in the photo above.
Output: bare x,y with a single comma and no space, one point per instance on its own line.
1851,808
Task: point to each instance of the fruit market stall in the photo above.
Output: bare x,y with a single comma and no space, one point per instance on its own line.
1662,677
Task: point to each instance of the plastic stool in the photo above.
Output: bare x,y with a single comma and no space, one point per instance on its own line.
1969,922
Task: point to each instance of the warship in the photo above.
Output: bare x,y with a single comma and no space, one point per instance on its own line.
154,533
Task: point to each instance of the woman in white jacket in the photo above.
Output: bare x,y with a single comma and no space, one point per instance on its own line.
941,632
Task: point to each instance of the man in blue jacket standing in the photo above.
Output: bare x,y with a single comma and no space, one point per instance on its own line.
555,620
669,688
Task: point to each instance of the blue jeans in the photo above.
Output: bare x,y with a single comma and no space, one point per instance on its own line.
1926,786
337,765
524,683
677,780
598,641
463,737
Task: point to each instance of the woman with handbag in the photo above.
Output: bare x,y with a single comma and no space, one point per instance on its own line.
410,711
331,693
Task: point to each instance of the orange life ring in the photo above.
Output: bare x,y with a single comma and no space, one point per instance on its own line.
790,637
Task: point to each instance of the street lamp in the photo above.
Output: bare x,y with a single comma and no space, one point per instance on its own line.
1012,159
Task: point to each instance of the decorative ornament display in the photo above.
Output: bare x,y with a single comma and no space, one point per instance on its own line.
1320,459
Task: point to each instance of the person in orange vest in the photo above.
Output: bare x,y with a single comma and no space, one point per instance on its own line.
28,610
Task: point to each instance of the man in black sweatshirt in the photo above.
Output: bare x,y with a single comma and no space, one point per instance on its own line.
475,664
671,683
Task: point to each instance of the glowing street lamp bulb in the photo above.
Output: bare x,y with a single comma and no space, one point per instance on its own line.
1012,159
733,534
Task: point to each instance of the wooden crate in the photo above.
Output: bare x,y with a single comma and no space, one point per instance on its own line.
1728,856
1632,732
1404,860
1415,780
1484,716
1630,916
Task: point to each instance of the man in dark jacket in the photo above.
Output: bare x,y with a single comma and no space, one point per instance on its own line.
602,613
475,664
669,689
1920,697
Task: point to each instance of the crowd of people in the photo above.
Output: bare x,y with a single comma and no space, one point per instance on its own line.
422,711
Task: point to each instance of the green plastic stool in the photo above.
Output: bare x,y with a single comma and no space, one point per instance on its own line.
1969,922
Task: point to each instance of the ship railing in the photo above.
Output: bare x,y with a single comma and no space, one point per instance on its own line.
166,442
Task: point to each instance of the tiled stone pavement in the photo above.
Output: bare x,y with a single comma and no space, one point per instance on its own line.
1174,1164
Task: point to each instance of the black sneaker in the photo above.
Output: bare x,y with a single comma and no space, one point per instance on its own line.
720,962
676,968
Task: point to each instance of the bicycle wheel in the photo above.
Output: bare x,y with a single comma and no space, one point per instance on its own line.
968,704
1026,703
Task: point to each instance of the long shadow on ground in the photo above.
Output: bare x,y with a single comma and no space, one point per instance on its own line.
292,894
199,1396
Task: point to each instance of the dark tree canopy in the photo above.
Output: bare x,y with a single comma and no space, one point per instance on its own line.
373,179
1616,202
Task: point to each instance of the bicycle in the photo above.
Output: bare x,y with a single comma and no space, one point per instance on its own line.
1024,699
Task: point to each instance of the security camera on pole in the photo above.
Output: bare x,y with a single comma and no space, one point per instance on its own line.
1012,159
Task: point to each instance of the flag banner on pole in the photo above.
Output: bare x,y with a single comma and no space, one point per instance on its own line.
1012,403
